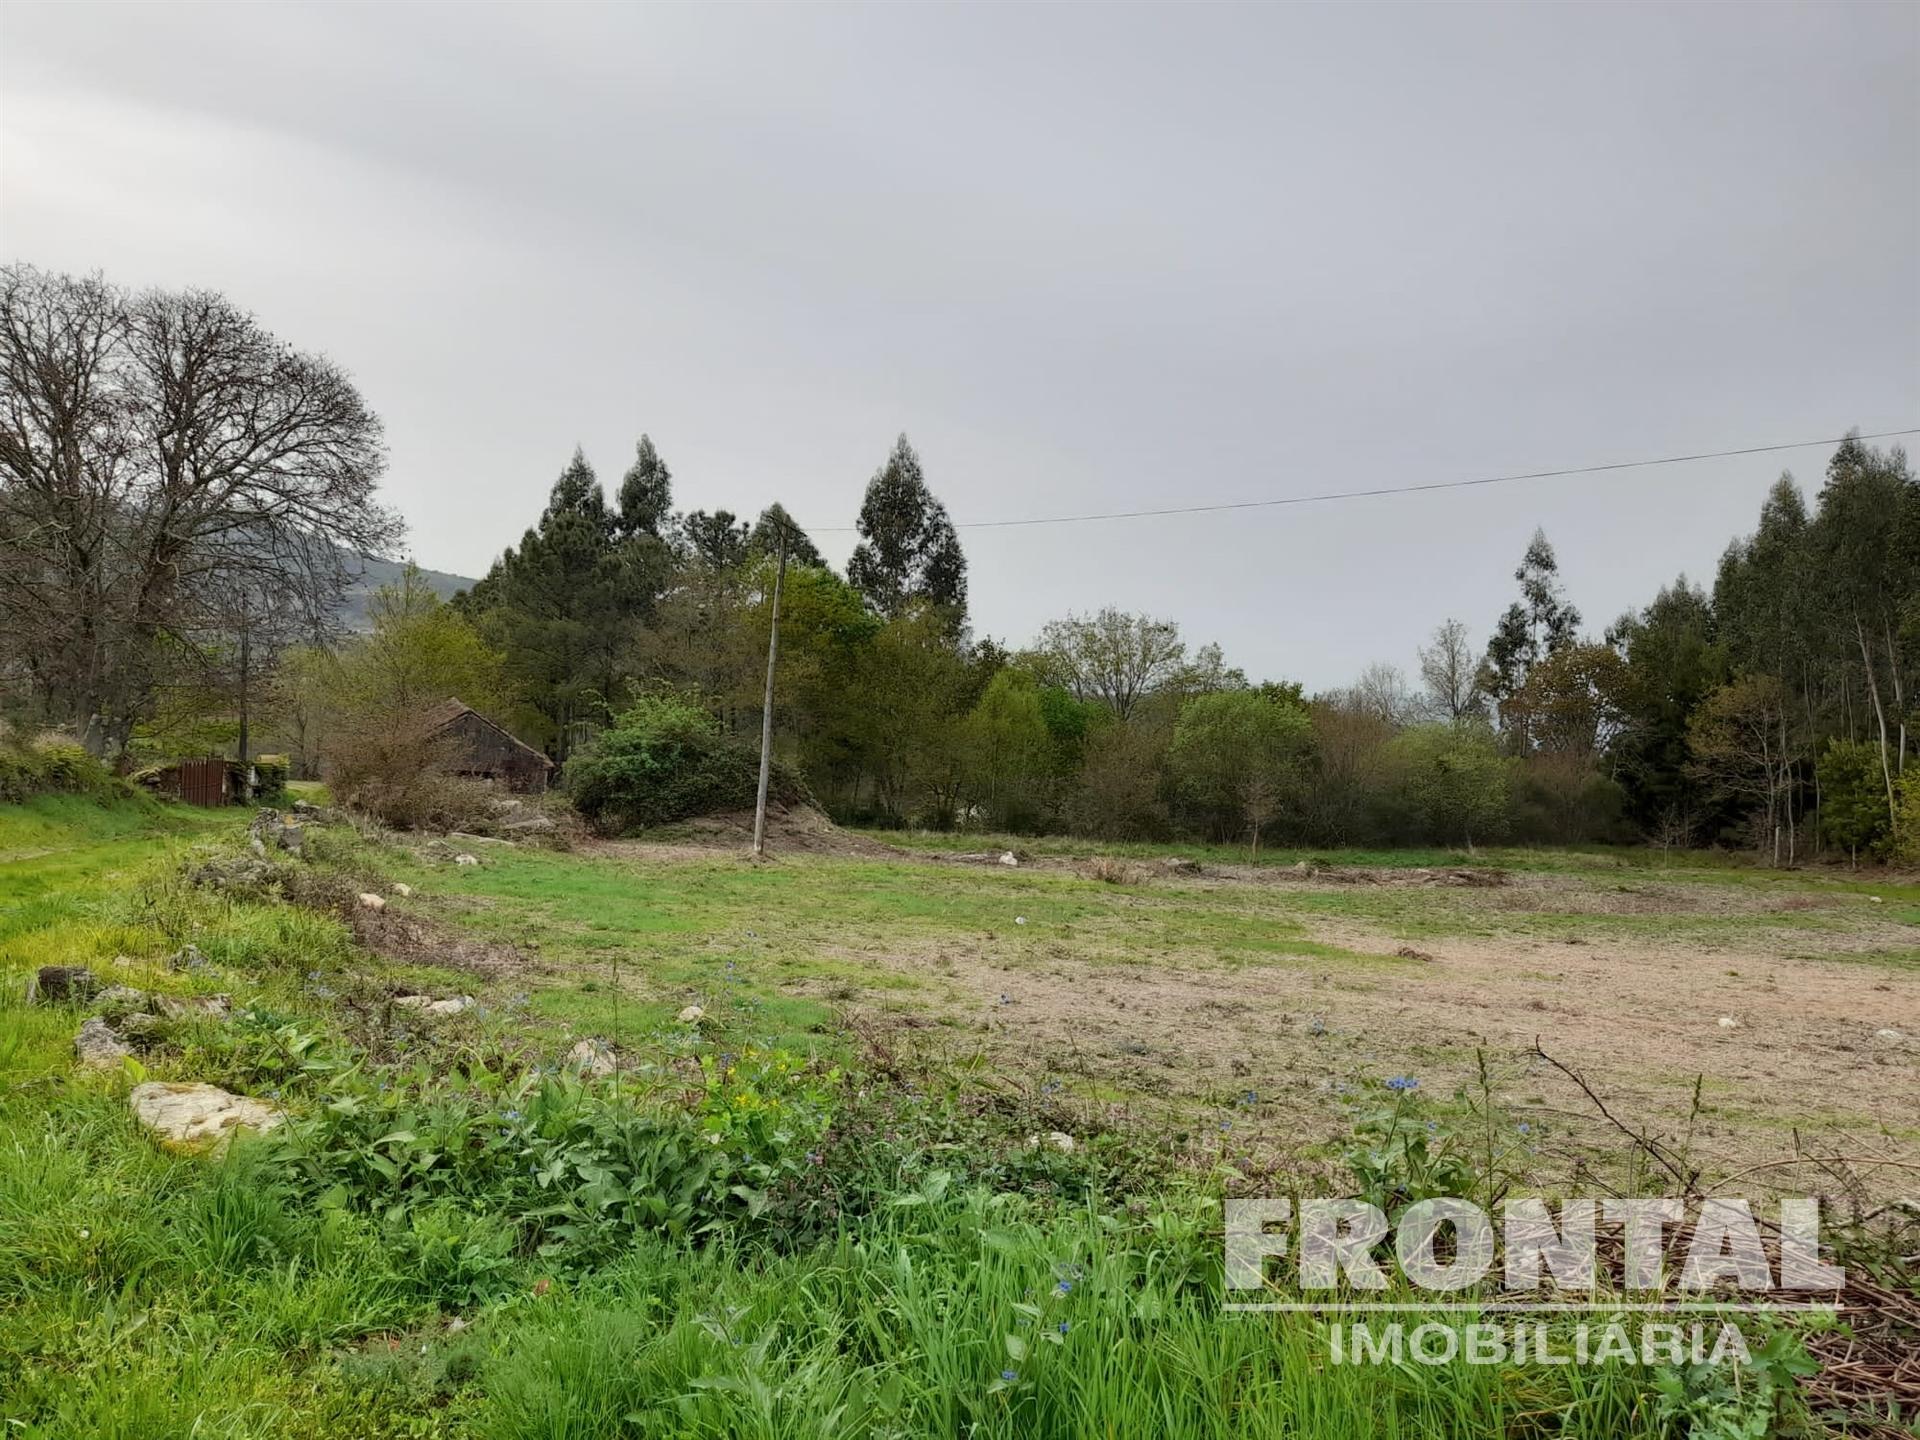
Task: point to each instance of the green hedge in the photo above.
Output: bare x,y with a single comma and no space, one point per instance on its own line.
666,760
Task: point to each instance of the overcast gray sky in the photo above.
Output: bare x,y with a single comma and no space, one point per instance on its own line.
1088,258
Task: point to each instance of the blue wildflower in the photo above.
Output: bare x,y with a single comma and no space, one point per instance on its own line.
1064,1327
1007,1375
1402,1083
1063,1288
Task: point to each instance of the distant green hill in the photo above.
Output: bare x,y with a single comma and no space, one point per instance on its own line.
375,573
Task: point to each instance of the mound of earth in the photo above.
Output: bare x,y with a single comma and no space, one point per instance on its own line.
791,830
1479,877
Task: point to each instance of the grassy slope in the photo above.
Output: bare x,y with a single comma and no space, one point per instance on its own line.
144,1295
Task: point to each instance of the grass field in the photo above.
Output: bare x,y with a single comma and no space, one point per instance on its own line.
818,1211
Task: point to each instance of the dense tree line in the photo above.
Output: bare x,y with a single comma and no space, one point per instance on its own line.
181,494
1770,711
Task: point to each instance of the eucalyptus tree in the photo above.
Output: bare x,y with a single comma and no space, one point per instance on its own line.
909,553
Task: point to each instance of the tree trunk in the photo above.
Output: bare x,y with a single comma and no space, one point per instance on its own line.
1899,698
1880,719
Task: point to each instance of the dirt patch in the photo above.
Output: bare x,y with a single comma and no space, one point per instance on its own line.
1808,1046
415,940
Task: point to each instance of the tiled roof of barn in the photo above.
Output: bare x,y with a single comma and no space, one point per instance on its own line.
439,717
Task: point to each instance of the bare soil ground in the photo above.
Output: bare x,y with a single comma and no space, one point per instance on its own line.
1814,1049
1793,1003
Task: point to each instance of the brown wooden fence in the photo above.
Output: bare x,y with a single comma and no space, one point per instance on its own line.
203,782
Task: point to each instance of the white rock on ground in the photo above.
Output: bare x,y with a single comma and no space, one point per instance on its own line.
370,901
1007,857
1727,1022
427,1005
692,1015
97,1047
191,1116
1053,1140
592,1058
402,889
465,859
189,959
120,998
1888,1035
179,1007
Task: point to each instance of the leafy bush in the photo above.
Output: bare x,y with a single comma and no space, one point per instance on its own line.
668,760
1450,782
270,779
1403,1153
52,768
1853,797
573,1169
1904,843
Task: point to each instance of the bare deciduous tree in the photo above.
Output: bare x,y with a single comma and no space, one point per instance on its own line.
1451,673
161,454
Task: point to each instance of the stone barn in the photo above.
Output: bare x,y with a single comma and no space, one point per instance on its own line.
481,750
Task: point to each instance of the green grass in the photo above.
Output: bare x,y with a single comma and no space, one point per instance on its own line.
718,931
982,1294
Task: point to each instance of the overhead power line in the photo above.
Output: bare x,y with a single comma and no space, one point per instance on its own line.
1421,489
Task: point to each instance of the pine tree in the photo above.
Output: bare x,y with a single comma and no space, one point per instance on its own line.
716,539
646,494
908,550
765,539
561,605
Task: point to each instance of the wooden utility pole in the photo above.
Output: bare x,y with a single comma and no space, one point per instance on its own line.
246,677
766,708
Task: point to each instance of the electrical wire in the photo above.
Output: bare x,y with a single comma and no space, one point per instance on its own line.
1421,489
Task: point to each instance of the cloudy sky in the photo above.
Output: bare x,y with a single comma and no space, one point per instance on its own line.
1087,258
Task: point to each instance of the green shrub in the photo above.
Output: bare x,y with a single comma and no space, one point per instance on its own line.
52,768
1904,843
668,760
270,779
569,1168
